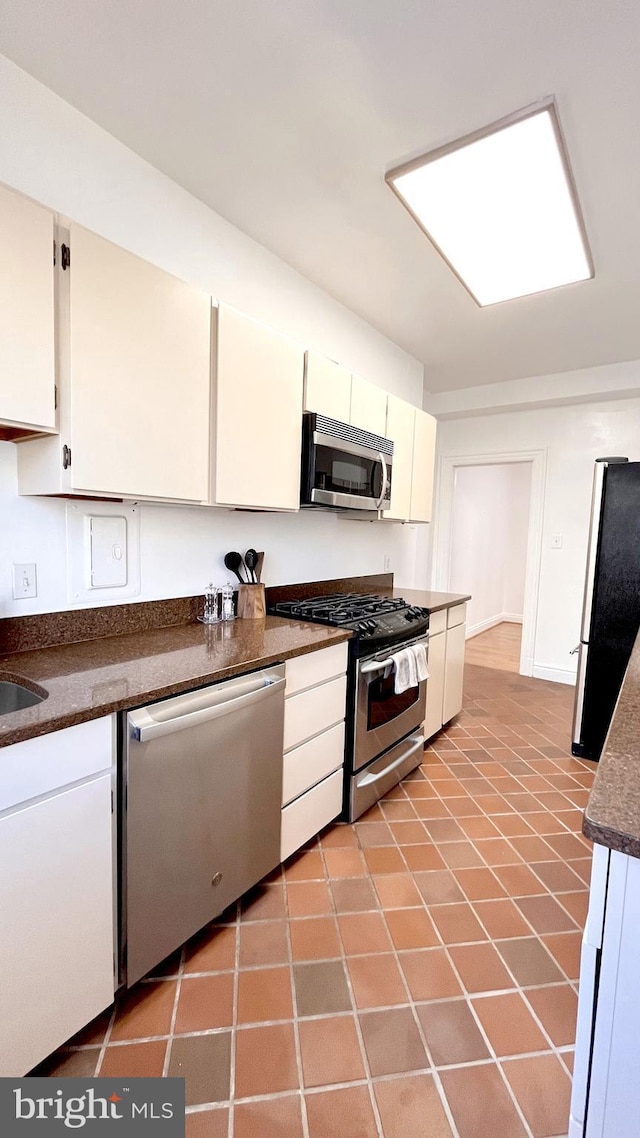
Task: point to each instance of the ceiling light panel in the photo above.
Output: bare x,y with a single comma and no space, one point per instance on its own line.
501,209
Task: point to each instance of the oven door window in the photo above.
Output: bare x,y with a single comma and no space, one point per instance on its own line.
383,704
343,473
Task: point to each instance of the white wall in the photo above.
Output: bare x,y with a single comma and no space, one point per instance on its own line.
515,562
489,541
54,154
571,437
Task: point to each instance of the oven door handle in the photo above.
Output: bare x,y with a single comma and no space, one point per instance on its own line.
375,666
370,778
385,479
378,665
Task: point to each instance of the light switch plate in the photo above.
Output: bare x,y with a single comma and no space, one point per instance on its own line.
25,581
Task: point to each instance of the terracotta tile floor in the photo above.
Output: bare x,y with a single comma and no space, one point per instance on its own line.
413,974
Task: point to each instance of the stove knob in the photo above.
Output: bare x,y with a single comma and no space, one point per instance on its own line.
407,615
371,625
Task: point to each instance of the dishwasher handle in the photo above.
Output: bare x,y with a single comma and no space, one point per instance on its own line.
198,707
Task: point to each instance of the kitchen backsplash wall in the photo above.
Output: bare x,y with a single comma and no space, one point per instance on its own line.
182,548
54,154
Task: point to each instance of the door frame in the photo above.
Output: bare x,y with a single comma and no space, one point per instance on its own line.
443,532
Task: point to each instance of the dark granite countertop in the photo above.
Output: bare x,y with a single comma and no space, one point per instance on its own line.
158,649
612,817
96,677
427,599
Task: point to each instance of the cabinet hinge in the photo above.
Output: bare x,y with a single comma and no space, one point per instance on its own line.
54,252
112,805
66,457
65,256
55,397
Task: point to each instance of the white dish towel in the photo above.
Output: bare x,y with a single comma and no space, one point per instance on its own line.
410,667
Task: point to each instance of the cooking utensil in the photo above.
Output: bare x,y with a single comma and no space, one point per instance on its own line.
258,566
233,561
251,560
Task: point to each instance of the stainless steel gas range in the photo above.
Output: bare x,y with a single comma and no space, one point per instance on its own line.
384,737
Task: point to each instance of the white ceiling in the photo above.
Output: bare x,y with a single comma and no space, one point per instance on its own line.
285,115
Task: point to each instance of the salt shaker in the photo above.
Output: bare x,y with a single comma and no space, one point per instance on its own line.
227,602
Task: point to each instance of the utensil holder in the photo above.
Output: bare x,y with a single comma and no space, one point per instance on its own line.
251,602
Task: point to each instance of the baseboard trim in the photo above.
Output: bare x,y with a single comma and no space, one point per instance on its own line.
556,675
482,626
491,622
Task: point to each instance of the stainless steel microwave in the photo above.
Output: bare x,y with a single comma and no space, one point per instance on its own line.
343,466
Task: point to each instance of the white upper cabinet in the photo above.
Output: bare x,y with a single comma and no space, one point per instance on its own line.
424,450
400,429
257,412
140,375
368,406
134,391
27,352
327,387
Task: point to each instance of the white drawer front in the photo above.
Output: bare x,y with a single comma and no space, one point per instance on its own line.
316,667
40,765
456,615
305,817
306,765
313,711
437,622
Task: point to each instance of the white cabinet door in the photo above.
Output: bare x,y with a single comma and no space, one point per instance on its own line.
27,356
309,813
400,428
139,376
258,415
368,406
435,685
327,387
453,671
56,934
424,451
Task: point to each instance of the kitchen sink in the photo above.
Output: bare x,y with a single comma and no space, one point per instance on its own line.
15,697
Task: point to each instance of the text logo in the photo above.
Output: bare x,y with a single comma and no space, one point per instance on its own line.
132,1108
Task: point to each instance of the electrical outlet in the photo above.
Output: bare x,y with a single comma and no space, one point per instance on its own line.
387,563
556,541
25,582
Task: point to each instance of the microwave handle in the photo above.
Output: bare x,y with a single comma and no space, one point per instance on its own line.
385,479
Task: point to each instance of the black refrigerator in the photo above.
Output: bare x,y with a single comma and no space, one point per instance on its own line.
611,609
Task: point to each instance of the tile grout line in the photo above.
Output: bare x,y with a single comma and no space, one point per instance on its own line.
357,1025
174,1014
105,1041
234,1023
296,1026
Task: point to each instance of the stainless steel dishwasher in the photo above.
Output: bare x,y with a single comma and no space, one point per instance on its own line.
201,793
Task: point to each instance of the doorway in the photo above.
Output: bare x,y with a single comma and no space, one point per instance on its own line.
488,543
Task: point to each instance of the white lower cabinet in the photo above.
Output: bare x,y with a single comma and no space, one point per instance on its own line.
314,732
308,815
453,668
447,632
56,900
435,684
310,712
